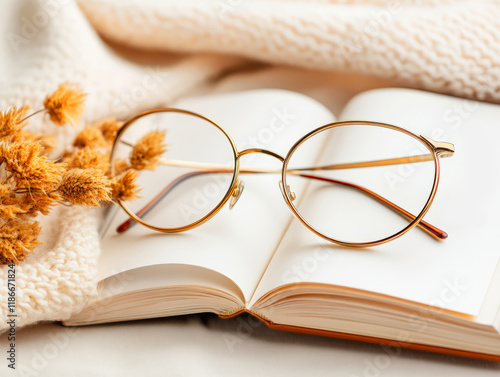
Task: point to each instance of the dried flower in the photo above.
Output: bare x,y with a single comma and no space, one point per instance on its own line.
33,203
10,121
92,137
21,135
17,239
147,151
124,188
89,158
85,187
9,211
120,166
31,184
48,142
109,128
4,190
7,195
23,160
65,105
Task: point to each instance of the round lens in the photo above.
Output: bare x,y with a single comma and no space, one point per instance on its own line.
369,183
188,181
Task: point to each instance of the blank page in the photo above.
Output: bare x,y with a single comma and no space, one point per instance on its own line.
454,273
238,243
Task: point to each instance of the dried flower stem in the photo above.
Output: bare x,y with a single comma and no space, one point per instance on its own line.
33,114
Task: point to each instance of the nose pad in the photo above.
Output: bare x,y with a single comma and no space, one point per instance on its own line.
238,190
289,193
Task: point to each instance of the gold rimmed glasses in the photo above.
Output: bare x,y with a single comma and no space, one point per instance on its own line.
354,183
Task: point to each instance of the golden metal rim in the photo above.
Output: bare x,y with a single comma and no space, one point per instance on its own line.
410,226
434,148
219,206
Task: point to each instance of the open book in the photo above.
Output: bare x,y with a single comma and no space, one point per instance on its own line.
414,292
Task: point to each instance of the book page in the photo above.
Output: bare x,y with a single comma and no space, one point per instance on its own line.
238,243
454,273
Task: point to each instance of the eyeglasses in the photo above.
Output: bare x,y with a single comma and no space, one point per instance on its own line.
354,183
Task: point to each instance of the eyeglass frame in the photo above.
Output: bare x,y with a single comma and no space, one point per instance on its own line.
436,148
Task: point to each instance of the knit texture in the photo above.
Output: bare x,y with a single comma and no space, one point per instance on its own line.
58,278
445,46
450,47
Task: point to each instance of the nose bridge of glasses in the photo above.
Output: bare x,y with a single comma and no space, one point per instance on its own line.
261,151
240,185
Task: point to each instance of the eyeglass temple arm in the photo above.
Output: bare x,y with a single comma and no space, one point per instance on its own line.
148,207
430,229
351,165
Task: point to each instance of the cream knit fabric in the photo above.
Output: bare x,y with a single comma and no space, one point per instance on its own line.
446,46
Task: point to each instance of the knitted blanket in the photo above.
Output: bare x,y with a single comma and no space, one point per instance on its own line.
166,49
